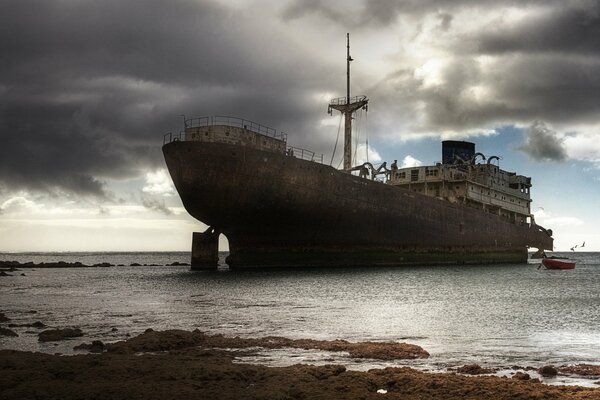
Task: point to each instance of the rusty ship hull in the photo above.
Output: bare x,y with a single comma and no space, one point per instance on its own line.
282,211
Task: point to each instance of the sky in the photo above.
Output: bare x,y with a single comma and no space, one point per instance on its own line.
89,88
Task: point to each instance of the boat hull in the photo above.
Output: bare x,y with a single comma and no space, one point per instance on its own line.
277,210
551,263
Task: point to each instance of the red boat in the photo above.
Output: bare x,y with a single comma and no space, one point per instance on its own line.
558,263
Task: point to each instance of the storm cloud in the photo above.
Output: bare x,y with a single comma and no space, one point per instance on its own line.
88,88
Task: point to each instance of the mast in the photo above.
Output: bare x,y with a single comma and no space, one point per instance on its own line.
347,106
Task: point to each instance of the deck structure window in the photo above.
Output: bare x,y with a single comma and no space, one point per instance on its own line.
414,175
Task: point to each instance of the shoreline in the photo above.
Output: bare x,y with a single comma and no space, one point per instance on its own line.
13,266
178,364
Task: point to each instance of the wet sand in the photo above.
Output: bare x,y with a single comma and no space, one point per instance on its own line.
180,364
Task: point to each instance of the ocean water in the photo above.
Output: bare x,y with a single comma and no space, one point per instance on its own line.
493,315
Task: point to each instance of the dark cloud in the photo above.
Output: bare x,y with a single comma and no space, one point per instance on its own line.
88,88
565,30
543,144
378,13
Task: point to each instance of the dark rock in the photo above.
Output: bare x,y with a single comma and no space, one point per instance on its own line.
36,324
135,265
114,330
23,275
103,265
3,318
548,371
95,347
474,369
327,371
7,332
149,330
9,264
2,273
522,376
581,369
53,335
177,264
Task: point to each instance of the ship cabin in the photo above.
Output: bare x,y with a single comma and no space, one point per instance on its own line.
460,179
240,132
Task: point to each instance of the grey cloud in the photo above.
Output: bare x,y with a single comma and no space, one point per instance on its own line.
537,81
300,8
88,88
375,13
445,20
542,143
156,205
573,28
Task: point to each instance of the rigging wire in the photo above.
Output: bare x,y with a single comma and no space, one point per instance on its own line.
367,132
336,141
357,136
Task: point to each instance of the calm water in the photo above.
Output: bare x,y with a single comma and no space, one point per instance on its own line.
498,315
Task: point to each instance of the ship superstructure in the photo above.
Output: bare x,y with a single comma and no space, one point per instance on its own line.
459,178
280,206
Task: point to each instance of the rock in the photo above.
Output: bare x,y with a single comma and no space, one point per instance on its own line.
3,318
23,275
327,371
177,264
176,339
7,332
548,371
36,324
103,265
2,273
474,369
53,335
135,265
9,264
522,376
59,264
581,369
95,347
114,330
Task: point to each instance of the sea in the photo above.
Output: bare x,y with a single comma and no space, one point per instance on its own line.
500,316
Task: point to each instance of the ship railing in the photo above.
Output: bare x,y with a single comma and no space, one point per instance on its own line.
304,154
235,122
173,137
342,101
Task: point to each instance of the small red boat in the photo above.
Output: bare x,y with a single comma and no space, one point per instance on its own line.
558,263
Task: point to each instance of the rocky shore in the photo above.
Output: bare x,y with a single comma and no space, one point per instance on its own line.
178,364
12,266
